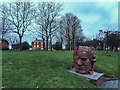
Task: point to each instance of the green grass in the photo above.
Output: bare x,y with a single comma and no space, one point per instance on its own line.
32,69
107,64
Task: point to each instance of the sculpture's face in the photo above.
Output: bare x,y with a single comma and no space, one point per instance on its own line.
84,60
83,64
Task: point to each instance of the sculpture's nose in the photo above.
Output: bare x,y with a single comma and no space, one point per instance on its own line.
83,59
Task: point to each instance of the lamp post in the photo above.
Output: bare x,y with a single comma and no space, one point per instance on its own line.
100,37
106,33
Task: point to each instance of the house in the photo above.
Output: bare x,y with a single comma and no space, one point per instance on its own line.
4,45
39,45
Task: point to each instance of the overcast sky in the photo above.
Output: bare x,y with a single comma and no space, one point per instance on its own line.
94,16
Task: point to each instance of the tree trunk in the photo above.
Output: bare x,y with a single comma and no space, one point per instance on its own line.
20,46
73,37
116,49
50,43
61,42
69,44
47,43
73,44
43,42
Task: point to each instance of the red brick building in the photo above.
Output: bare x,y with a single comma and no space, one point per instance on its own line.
39,45
4,45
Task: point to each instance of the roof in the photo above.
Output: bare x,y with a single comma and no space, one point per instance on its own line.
4,40
38,41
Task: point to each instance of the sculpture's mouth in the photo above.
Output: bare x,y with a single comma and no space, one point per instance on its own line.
82,71
82,68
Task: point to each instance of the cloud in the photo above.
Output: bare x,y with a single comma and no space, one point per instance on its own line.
95,15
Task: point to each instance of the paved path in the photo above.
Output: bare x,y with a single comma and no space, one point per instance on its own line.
111,84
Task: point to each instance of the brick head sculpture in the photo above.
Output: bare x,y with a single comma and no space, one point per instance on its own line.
84,60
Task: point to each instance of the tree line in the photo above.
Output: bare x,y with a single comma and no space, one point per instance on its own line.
43,20
110,40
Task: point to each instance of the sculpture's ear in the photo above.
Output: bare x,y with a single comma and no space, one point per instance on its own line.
75,51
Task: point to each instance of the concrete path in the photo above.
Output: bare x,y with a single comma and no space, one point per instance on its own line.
111,84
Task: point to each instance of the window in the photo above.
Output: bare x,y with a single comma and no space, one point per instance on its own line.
34,42
37,45
37,42
34,45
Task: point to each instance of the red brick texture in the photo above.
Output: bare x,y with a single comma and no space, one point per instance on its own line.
83,60
98,82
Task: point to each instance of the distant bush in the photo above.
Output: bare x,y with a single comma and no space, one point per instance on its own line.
57,46
5,49
99,48
25,45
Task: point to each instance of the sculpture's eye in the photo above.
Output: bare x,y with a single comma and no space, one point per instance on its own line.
93,57
83,59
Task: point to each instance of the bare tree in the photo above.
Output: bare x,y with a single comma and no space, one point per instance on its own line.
20,15
71,29
13,39
47,15
4,24
60,34
113,40
5,27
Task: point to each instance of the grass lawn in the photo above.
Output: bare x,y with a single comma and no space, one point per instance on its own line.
32,69
107,64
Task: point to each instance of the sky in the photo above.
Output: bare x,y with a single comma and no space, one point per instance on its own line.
94,16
